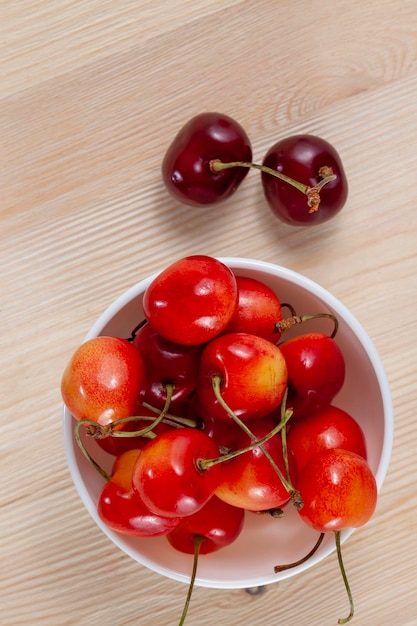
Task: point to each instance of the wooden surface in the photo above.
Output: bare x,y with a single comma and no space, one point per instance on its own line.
91,95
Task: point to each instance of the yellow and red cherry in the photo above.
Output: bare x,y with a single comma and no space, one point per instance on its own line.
104,380
250,373
338,489
249,480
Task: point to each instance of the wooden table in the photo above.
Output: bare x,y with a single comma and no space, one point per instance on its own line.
91,95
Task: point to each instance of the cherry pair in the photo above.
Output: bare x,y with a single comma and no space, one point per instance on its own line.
302,175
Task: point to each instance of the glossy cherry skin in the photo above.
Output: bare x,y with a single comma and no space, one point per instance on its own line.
301,157
167,362
316,371
186,168
217,522
338,490
192,300
104,380
258,310
253,376
167,475
122,509
249,481
330,427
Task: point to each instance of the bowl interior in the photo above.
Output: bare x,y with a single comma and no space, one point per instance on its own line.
264,542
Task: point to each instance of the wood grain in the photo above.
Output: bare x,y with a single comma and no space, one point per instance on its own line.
91,95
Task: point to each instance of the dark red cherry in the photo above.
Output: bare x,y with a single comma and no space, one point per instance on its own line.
303,157
186,169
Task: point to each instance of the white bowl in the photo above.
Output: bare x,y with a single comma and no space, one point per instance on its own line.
264,541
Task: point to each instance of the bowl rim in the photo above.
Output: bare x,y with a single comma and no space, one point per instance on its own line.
240,263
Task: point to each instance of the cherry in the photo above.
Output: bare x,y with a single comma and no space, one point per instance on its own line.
167,362
217,522
167,474
316,371
104,380
122,509
192,300
249,480
330,427
309,159
258,311
186,169
338,490
214,526
250,373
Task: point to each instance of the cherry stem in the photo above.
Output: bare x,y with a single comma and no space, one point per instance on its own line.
289,322
344,620
198,540
83,449
312,193
136,330
286,305
169,389
256,443
281,568
285,453
182,421
99,431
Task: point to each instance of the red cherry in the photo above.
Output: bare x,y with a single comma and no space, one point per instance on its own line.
192,300
252,372
217,522
329,427
338,490
186,168
122,509
316,371
301,157
167,362
104,380
167,474
259,309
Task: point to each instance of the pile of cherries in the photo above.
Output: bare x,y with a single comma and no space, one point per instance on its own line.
302,176
211,412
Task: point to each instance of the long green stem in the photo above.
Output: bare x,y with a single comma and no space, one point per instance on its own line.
198,540
281,568
182,421
218,166
147,429
87,422
285,416
312,193
256,443
344,620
